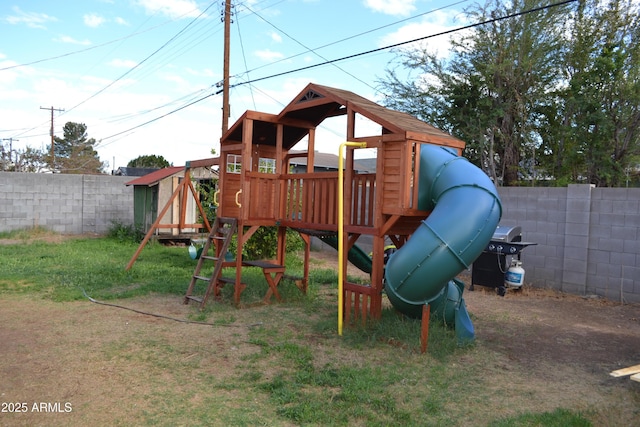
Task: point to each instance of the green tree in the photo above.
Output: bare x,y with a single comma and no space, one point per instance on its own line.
28,159
149,161
75,153
487,91
599,141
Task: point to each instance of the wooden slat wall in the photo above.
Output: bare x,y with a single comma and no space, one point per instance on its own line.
392,178
262,195
312,199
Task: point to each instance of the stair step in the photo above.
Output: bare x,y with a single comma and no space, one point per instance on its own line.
202,278
213,258
227,280
194,298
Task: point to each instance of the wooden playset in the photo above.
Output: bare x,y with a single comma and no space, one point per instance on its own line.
439,210
256,189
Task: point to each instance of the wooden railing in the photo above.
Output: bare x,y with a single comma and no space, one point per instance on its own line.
311,200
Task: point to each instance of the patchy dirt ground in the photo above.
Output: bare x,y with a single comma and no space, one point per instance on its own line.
79,361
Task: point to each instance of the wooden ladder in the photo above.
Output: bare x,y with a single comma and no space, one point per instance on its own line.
221,232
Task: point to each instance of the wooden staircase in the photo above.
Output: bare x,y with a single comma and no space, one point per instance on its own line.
221,234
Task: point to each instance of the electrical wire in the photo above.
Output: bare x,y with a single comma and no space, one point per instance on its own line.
251,81
453,30
244,58
360,34
75,52
308,49
169,42
144,60
156,119
182,49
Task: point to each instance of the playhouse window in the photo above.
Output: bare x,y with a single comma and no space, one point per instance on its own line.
266,165
234,163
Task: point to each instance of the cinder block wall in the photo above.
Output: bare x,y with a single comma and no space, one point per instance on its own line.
587,238
69,204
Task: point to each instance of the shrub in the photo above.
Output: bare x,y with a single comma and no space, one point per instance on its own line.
124,232
263,244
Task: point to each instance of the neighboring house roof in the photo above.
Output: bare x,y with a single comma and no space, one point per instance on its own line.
326,160
127,171
368,164
154,177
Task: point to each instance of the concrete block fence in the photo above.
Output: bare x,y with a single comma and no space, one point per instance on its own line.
586,238
68,204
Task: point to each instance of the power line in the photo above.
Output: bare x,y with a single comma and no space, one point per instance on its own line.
75,52
357,35
442,33
144,60
310,49
513,15
159,117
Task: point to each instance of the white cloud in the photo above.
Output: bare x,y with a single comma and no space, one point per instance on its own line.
276,37
206,72
435,23
71,40
121,21
123,63
391,7
30,19
171,8
93,20
268,55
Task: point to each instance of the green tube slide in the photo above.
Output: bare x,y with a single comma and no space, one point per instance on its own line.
465,211
356,255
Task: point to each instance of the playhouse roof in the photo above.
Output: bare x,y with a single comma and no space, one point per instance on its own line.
315,103
154,177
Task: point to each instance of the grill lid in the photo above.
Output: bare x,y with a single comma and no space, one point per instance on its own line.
507,234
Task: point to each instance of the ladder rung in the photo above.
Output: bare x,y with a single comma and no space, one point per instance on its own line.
213,258
194,298
203,278
227,280
218,237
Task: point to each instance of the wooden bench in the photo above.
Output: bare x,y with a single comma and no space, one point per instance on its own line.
273,273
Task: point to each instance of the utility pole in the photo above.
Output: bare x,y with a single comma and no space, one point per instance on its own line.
225,67
11,148
53,163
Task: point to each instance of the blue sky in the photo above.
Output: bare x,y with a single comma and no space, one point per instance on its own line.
117,64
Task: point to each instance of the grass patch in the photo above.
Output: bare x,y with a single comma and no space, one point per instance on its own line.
282,364
557,418
61,271
27,234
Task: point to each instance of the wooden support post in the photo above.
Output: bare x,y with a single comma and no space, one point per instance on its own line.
307,256
424,331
